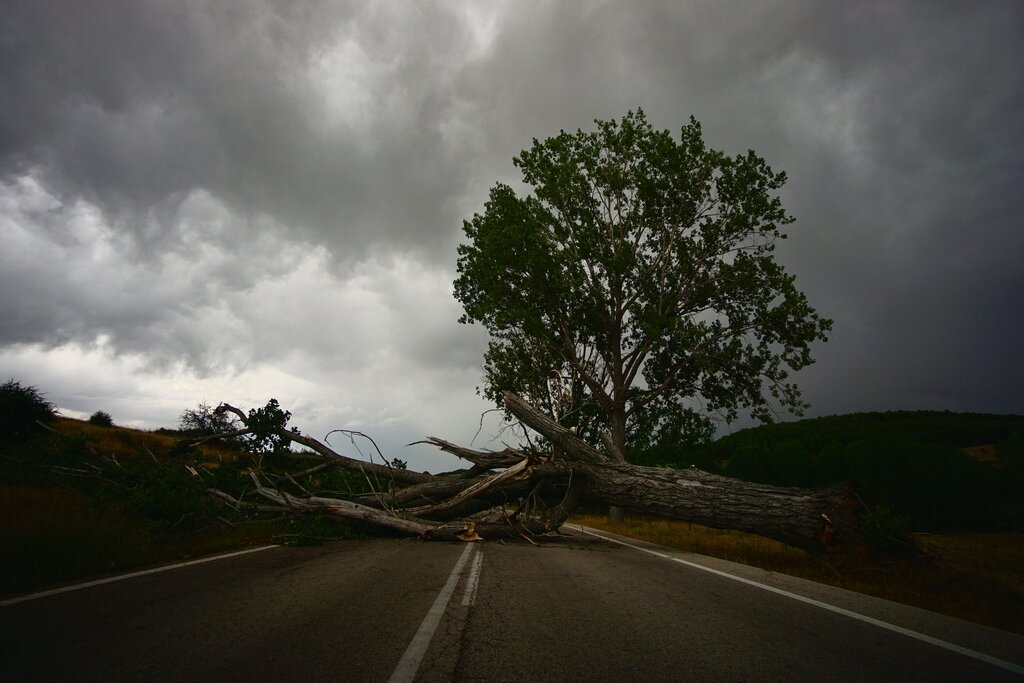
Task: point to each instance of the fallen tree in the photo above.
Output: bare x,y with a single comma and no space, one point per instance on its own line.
528,492
635,283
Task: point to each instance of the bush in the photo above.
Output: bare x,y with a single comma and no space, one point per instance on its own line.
205,420
22,409
101,419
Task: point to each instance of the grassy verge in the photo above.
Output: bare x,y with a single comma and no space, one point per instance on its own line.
54,535
977,577
84,501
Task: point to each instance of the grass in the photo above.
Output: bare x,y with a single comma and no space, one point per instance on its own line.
977,577
52,535
985,454
65,520
55,535
125,442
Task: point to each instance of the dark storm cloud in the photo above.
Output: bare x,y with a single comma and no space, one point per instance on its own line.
134,104
246,162
900,127
921,251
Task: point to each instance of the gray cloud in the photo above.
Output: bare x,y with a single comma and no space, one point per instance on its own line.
228,188
329,119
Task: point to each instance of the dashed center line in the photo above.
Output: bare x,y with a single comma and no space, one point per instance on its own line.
409,664
474,580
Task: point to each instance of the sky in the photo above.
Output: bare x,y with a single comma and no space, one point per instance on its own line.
227,201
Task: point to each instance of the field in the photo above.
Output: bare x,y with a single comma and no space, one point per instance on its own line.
977,577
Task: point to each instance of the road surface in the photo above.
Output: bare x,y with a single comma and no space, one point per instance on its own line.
581,609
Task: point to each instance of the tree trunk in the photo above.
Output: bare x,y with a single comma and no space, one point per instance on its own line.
798,517
805,518
615,443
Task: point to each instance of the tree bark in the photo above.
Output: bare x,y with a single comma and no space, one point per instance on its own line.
805,518
798,517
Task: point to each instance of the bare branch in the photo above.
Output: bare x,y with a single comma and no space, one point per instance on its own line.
222,435
557,434
518,470
488,459
609,443
387,472
342,508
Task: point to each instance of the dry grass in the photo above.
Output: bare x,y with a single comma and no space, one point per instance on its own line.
125,442
727,545
978,577
121,442
984,454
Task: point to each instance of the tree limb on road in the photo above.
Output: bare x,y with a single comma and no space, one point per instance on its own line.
545,488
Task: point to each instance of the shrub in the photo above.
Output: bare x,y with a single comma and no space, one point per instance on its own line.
101,419
22,408
205,420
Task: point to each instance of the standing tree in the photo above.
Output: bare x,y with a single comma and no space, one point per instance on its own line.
101,419
635,291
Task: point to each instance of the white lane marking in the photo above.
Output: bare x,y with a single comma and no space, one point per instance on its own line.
410,661
473,581
132,575
1009,666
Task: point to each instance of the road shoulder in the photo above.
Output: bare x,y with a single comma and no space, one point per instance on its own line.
1002,645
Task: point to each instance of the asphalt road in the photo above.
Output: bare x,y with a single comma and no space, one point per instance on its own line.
579,609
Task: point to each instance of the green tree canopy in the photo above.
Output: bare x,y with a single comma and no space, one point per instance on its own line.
635,289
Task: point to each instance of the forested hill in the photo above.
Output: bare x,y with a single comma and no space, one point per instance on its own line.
959,430
925,465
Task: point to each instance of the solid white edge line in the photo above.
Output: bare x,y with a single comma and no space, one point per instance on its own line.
132,575
473,580
994,661
410,661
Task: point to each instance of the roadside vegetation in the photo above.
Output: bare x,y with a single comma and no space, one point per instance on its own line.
84,498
